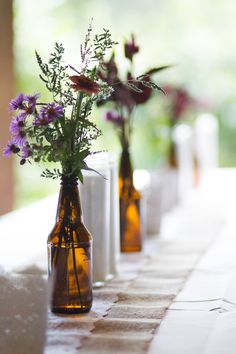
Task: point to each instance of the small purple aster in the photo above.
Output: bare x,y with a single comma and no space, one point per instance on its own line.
24,102
17,124
25,152
52,111
31,103
48,113
17,102
11,148
20,139
114,117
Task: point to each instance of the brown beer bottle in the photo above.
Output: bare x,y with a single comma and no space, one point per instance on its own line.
69,254
173,163
130,220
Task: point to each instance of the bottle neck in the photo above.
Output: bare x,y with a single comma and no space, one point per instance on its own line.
69,206
126,169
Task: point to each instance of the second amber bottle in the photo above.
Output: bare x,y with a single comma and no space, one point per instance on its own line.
130,219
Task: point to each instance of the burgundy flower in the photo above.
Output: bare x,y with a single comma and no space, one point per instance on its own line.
123,96
131,48
84,84
114,117
11,148
179,101
145,94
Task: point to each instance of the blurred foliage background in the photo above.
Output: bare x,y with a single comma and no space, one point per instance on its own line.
197,36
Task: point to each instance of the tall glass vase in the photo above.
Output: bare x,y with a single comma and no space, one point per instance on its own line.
69,254
130,220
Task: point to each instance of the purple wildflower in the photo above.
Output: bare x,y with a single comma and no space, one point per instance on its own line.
17,103
26,152
20,139
16,128
32,98
114,117
26,103
49,113
31,103
17,124
11,148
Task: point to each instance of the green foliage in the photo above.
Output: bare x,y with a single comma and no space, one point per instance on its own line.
102,42
54,76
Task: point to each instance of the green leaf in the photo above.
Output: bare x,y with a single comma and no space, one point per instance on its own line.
158,69
80,176
87,168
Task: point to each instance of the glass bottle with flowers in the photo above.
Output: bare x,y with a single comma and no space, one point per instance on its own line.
177,105
62,132
127,94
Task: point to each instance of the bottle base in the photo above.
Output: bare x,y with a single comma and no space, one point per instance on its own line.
70,310
131,249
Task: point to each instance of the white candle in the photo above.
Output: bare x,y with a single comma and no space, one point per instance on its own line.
206,141
142,181
114,216
183,139
95,199
100,203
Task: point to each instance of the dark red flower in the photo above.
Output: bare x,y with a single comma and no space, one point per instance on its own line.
179,101
182,101
84,84
123,96
131,48
140,97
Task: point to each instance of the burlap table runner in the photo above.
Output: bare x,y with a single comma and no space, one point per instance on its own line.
128,310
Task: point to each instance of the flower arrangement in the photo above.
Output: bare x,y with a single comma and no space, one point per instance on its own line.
127,94
176,109
178,102
61,131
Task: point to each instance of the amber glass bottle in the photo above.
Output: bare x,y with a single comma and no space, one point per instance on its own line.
69,254
130,220
173,163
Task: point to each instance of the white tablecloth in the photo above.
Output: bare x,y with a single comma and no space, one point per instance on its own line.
201,319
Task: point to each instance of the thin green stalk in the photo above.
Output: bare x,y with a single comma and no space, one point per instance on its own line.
75,116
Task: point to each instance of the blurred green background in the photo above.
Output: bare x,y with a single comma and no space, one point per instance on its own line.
197,36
